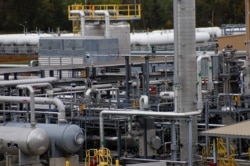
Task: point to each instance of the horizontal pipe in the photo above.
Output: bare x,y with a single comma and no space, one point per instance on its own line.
39,100
26,81
141,113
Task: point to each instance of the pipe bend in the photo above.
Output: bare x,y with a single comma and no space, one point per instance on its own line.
61,109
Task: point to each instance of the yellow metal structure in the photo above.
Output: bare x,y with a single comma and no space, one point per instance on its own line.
248,152
105,157
90,155
116,12
223,158
101,156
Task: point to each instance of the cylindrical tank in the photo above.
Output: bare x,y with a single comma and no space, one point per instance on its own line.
167,95
164,37
67,138
29,141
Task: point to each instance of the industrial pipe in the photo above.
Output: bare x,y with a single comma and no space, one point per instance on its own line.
32,103
39,100
143,102
106,14
82,20
241,82
139,112
7,83
225,94
199,82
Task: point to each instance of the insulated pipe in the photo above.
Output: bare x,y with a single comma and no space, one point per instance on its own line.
82,15
68,88
27,81
141,113
199,82
32,103
106,14
39,100
225,94
144,102
88,92
35,85
102,86
241,82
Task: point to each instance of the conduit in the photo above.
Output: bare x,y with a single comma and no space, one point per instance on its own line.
199,81
82,20
39,100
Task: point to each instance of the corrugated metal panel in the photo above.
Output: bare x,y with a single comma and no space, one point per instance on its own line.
78,60
238,130
66,60
43,60
54,61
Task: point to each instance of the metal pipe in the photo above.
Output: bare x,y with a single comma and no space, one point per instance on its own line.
39,100
190,144
147,75
143,102
154,160
225,94
32,103
241,82
37,112
69,88
82,20
107,21
199,81
26,81
139,112
174,142
158,105
128,77
36,85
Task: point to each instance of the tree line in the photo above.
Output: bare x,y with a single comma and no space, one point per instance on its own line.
47,15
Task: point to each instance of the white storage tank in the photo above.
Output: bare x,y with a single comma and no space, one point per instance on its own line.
29,141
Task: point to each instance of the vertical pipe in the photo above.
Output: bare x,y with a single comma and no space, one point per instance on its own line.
176,59
145,135
185,69
82,20
118,130
128,77
173,140
147,75
247,42
32,104
190,145
107,21
199,81
214,150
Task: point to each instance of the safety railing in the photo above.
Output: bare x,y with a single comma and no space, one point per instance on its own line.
116,12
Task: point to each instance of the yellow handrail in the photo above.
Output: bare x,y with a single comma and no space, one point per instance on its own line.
117,12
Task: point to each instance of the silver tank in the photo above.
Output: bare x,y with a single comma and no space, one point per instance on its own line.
67,137
29,141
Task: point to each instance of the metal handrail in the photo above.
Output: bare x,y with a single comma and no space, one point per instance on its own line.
117,12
